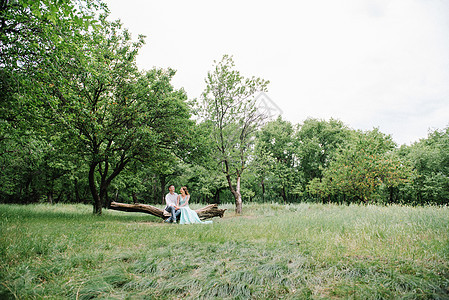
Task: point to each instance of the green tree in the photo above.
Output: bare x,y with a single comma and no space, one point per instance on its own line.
30,31
430,159
275,155
229,109
116,123
316,144
364,164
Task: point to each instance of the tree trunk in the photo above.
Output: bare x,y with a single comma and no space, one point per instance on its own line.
236,194
217,196
93,190
391,190
104,196
206,212
106,180
284,196
50,198
238,198
103,184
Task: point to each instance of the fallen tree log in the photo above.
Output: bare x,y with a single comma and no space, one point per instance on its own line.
206,212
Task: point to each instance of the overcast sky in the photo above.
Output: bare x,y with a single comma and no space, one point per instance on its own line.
368,63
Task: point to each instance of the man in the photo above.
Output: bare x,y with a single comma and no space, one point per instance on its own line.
171,201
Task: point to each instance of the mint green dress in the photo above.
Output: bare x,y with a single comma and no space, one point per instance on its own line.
189,216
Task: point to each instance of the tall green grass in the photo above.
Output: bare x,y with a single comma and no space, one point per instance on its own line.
304,251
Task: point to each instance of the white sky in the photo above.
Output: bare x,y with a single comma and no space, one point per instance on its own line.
368,63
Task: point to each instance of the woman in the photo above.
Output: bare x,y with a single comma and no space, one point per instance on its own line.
188,216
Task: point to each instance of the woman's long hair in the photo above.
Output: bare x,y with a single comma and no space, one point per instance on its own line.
185,190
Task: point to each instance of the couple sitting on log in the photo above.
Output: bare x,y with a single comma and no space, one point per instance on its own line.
178,207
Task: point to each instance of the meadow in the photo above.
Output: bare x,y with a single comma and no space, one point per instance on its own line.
271,251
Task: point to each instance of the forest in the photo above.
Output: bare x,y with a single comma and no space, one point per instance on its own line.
81,123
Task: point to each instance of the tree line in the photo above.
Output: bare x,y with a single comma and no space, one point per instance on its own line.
80,122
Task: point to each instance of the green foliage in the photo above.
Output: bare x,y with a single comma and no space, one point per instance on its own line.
317,142
430,159
275,159
359,169
32,33
229,109
290,251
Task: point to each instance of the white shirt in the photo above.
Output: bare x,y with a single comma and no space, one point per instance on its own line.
170,199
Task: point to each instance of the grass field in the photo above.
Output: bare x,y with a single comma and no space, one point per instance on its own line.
304,251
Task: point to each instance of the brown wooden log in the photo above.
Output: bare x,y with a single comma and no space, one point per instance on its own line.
206,212
210,211
137,207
